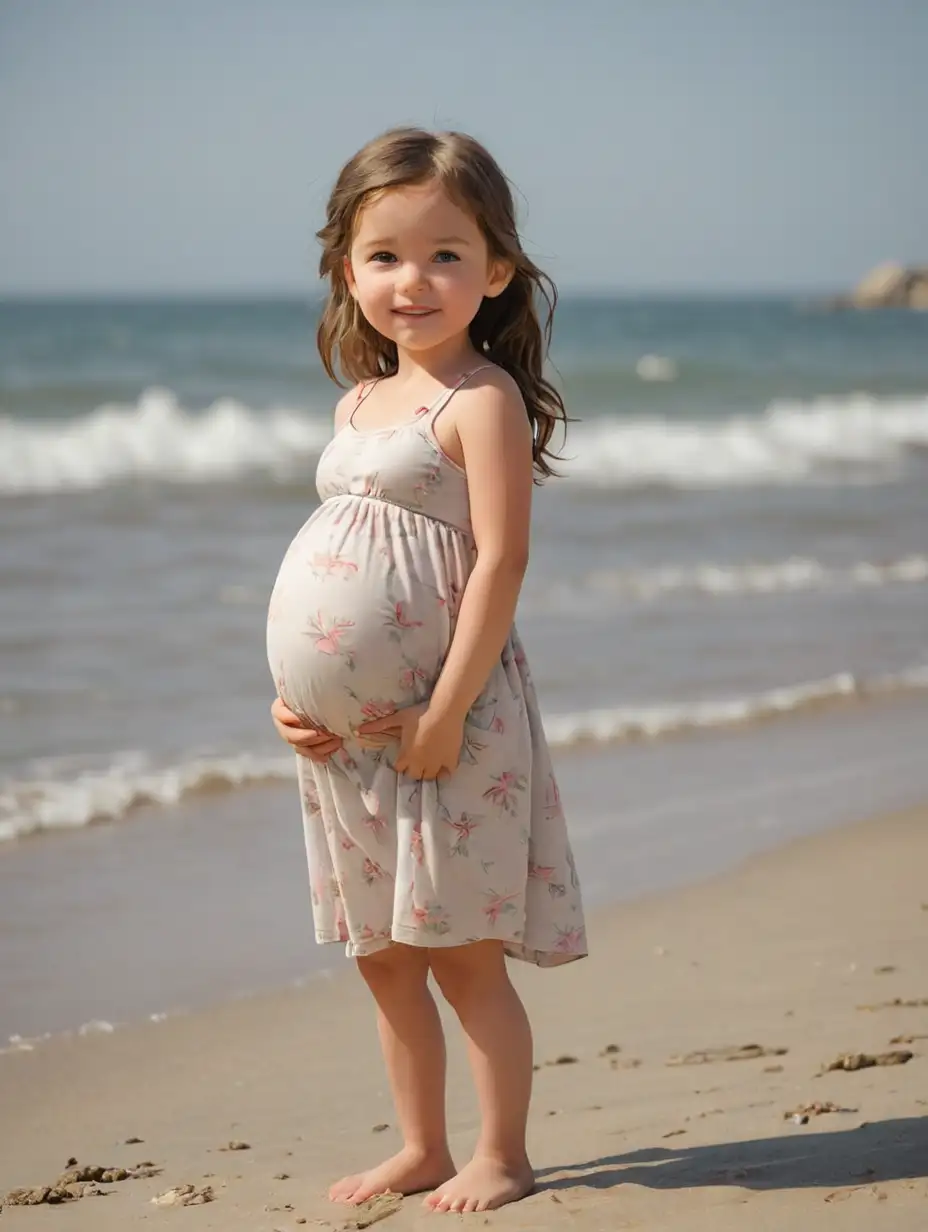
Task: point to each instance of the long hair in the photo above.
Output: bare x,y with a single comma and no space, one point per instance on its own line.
506,329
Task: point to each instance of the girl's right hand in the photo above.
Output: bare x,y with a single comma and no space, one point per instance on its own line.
313,742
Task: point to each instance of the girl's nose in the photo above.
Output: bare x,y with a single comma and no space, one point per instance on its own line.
412,276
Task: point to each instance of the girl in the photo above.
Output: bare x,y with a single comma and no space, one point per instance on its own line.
433,824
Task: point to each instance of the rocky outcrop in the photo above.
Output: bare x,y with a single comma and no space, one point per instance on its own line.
889,286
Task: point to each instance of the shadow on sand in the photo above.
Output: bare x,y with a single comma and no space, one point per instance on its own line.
880,1151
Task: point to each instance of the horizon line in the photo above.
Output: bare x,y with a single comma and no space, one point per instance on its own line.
293,295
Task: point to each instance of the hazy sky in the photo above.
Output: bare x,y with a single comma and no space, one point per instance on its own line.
174,145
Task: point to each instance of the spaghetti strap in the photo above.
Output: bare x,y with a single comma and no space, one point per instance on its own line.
447,394
364,389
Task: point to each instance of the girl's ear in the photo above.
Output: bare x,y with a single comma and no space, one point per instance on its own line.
349,277
499,276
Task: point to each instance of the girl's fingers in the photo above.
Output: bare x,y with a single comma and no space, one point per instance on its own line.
283,714
303,735
321,752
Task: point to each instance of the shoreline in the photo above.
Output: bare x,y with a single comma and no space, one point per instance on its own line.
636,1120
185,909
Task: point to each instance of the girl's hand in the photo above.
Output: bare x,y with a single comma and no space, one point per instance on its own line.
313,742
430,746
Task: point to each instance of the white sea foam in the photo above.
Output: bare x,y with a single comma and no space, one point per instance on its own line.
625,723
59,796
792,442
156,439
52,799
656,368
790,576
855,438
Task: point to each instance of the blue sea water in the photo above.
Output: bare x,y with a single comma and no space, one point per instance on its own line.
741,532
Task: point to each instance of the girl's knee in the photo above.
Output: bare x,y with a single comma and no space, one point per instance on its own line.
396,964
465,971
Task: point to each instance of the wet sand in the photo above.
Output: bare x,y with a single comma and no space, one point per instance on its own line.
650,1109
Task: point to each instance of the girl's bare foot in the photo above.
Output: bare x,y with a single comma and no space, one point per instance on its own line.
407,1172
482,1185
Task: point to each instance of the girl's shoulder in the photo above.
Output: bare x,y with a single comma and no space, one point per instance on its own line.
347,402
491,387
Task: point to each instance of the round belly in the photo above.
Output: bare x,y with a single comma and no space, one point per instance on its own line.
362,612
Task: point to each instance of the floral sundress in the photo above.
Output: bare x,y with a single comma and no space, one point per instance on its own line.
359,623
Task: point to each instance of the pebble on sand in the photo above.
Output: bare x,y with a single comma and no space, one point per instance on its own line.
185,1195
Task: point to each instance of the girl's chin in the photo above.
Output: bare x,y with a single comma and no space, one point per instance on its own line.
422,334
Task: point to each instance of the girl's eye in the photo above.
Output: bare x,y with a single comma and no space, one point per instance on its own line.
383,258
443,258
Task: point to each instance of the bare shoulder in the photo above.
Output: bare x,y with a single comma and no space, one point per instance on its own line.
345,406
490,397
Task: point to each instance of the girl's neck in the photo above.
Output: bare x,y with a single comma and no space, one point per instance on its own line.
441,363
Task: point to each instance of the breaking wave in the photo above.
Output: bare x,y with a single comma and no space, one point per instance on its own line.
851,439
58,795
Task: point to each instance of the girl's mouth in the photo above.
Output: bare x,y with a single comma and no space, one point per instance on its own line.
414,312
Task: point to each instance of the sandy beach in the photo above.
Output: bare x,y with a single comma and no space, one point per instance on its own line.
668,1065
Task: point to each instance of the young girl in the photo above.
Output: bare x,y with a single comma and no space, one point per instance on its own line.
433,824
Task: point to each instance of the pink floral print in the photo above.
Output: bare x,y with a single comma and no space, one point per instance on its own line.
359,624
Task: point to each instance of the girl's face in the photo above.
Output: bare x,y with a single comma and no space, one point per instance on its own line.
419,267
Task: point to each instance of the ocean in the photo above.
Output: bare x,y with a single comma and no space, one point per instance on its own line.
726,614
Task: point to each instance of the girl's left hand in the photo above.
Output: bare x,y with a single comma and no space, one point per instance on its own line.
430,746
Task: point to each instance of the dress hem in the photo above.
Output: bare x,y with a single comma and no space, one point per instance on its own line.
400,936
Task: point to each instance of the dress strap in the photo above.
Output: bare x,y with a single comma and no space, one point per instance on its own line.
364,389
431,413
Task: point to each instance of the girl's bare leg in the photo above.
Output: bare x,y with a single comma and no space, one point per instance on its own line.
414,1051
475,981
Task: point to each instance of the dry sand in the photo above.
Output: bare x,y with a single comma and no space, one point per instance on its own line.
781,953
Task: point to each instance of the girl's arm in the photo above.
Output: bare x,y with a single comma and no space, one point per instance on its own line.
496,443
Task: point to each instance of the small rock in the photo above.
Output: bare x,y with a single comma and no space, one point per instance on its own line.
610,1050
886,970
35,1196
371,1212
743,1052
72,1162
89,1172
378,1129
133,1141
281,1176
801,1114
673,1133
773,1069
185,1195
897,1003
88,1190
863,1060
235,1145
564,1059
144,1170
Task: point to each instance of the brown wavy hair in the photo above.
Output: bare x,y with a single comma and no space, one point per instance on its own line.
506,329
